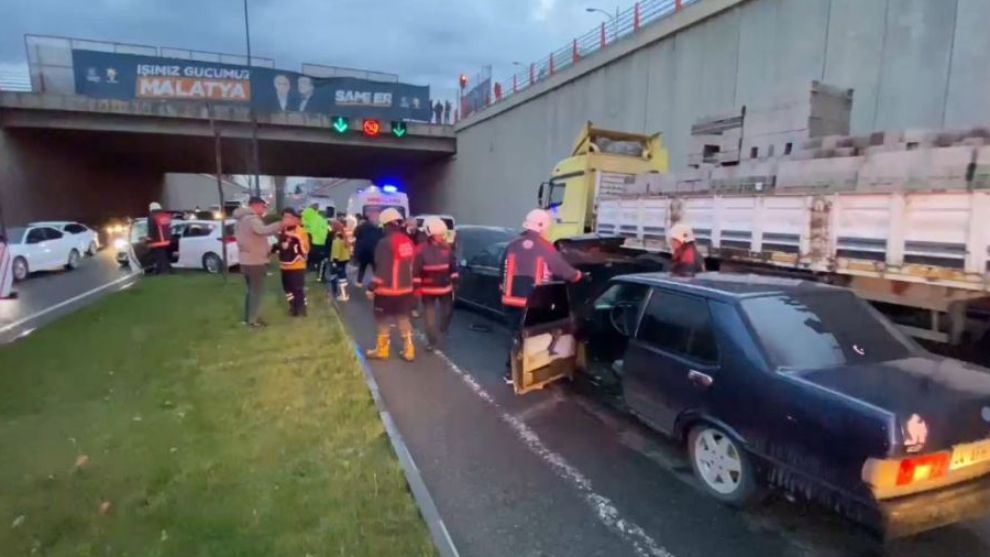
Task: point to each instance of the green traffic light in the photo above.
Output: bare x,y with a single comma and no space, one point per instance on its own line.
399,129
340,124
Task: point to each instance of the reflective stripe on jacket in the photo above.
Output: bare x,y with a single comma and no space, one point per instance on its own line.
293,247
394,256
530,260
435,269
159,229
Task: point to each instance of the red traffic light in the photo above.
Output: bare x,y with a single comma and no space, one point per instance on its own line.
371,127
463,81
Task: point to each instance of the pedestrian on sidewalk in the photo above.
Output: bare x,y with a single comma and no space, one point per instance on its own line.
252,244
446,111
530,260
293,249
438,113
391,289
340,255
366,237
435,277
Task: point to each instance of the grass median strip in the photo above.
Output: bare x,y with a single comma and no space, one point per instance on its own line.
153,423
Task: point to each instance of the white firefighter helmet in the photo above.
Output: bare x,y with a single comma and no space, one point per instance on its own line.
435,226
537,220
682,233
389,215
154,206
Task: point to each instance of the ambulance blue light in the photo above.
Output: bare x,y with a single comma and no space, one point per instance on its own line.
389,188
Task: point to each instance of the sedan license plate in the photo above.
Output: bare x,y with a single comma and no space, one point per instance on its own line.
970,454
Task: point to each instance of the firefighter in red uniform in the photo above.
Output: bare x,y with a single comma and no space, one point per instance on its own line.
685,259
391,289
530,260
160,238
435,275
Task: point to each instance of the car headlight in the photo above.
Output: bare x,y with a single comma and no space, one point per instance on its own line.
119,244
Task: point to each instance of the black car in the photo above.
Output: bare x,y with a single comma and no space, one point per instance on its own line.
599,258
779,383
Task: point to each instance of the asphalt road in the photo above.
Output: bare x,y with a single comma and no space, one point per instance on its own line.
46,296
560,473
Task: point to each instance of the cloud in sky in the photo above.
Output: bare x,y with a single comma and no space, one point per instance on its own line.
424,41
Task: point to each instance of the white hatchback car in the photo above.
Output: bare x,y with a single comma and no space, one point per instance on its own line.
41,248
87,240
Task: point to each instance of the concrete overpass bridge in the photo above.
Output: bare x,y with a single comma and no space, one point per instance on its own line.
84,158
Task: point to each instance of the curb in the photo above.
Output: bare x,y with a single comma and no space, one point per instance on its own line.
424,501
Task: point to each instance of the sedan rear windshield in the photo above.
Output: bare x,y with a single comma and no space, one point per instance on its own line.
822,330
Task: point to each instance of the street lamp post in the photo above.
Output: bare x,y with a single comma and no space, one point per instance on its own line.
254,116
614,19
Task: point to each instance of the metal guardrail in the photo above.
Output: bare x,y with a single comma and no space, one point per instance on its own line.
623,25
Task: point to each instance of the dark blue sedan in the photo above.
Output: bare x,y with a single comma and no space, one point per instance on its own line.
779,383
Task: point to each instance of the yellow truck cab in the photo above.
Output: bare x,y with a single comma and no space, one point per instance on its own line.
603,163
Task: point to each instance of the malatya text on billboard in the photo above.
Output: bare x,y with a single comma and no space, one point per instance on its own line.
129,76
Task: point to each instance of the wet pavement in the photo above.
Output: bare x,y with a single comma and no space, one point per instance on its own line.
557,472
46,296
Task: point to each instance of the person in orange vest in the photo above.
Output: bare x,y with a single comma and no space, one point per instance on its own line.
530,260
435,276
292,247
160,238
391,290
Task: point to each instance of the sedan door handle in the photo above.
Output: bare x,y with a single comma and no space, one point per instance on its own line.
702,380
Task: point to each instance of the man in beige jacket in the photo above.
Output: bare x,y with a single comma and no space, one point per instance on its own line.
252,243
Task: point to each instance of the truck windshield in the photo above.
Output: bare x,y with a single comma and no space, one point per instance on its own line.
816,330
556,195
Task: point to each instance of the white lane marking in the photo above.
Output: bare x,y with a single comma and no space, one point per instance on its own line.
63,303
608,514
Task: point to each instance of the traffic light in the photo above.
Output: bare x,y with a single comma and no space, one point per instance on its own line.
340,124
371,127
399,129
463,80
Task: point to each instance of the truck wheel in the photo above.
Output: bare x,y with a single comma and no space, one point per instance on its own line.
724,469
212,263
21,270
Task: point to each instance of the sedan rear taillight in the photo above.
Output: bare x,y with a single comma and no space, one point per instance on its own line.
920,468
228,240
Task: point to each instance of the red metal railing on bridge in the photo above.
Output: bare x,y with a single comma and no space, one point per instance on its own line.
619,27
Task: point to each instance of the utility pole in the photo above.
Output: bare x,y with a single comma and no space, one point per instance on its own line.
254,115
215,132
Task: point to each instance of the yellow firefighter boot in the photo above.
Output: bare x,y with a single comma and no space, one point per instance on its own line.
380,351
408,350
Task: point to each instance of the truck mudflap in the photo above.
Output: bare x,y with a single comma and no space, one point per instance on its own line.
913,514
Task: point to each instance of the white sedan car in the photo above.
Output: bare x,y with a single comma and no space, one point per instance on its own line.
41,248
196,244
86,239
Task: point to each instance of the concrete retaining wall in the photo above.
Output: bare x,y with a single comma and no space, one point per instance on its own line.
912,63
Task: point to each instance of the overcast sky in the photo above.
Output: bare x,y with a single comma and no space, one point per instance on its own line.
424,41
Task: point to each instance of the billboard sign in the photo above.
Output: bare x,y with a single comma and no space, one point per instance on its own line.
111,75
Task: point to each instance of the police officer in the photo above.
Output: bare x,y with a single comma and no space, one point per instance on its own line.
530,260
685,259
391,289
435,275
160,238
